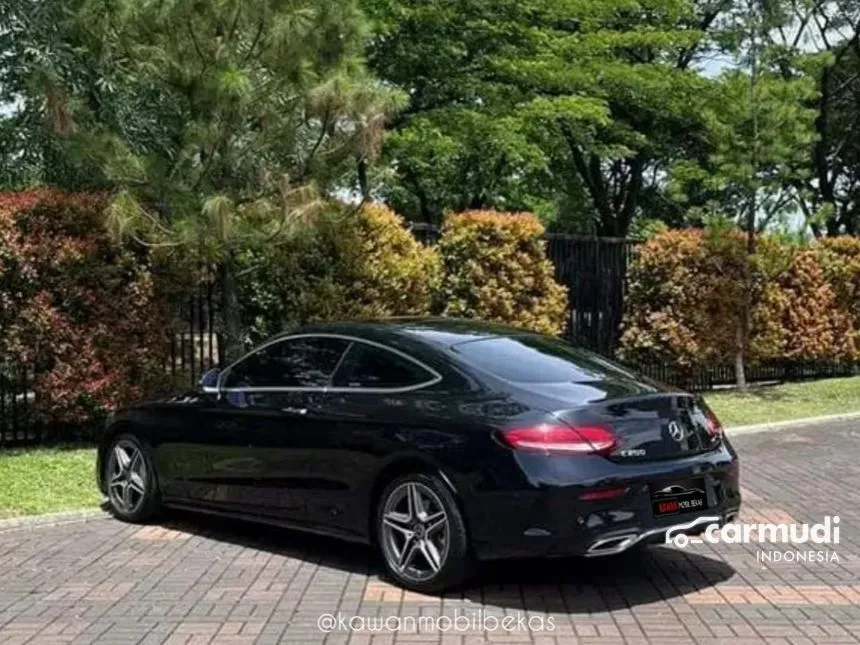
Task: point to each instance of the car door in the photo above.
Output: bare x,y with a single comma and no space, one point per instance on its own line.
266,414
375,394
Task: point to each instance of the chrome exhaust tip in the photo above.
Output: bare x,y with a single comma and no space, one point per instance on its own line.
612,545
620,543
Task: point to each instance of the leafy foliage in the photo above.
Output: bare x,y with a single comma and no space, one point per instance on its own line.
819,41
797,317
672,302
572,109
840,263
213,125
80,309
346,264
682,306
760,133
494,267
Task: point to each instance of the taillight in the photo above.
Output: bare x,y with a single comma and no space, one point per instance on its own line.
715,428
559,439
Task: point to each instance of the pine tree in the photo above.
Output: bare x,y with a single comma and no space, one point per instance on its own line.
213,123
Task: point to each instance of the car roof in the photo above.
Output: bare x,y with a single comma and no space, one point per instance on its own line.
437,331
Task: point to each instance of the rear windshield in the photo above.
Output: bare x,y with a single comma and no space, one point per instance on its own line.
537,359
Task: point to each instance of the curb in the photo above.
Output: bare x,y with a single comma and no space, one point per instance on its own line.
26,522
777,425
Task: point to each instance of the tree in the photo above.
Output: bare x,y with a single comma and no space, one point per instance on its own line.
820,40
760,130
34,112
576,105
833,189
213,123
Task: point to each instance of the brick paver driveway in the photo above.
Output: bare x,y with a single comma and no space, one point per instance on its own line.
197,580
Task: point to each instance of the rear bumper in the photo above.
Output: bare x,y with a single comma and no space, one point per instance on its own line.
547,518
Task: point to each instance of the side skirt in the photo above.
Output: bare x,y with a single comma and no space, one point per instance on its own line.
269,521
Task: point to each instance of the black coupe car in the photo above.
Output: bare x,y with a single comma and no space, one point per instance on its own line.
441,441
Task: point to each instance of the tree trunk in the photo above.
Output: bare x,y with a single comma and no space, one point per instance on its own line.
745,319
363,185
740,371
745,315
230,312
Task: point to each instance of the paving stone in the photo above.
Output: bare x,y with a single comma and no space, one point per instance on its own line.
192,580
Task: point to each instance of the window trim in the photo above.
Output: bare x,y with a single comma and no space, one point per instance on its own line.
352,340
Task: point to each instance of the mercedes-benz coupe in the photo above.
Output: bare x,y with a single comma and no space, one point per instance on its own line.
442,442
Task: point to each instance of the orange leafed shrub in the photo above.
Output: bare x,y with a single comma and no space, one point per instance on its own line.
797,316
676,302
686,295
494,267
840,263
75,308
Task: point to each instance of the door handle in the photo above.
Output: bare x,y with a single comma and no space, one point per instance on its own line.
297,411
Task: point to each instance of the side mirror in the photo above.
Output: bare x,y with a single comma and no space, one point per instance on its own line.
209,381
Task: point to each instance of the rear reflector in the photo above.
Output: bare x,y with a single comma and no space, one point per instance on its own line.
558,439
598,494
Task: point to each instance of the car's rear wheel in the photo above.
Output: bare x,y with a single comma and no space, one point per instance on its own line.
130,480
422,534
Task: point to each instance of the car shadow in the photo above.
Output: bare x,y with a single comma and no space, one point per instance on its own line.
568,585
585,585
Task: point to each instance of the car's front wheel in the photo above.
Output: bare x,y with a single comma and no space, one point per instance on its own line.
130,481
422,534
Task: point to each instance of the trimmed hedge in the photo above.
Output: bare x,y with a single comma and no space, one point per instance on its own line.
361,264
494,267
684,300
840,263
76,308
347,264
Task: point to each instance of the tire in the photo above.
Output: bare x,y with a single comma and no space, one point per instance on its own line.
419,552
132,489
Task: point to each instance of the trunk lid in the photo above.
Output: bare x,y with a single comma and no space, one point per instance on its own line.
650,427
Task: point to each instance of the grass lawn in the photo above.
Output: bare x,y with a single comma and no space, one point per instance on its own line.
47,480
789,401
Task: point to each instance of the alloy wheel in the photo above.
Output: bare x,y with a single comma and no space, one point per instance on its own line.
415,532
128,477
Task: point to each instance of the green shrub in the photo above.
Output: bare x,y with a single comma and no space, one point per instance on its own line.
79,311
494,267
347,264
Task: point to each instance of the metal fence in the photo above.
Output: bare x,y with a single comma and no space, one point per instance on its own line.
18,422
195,344
192,343
594,271
708,377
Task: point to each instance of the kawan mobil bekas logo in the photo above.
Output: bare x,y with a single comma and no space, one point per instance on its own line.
797,542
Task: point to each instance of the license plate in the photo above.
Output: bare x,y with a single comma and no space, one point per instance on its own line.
677,499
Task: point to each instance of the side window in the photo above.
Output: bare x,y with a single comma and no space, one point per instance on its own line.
366,366
297,362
